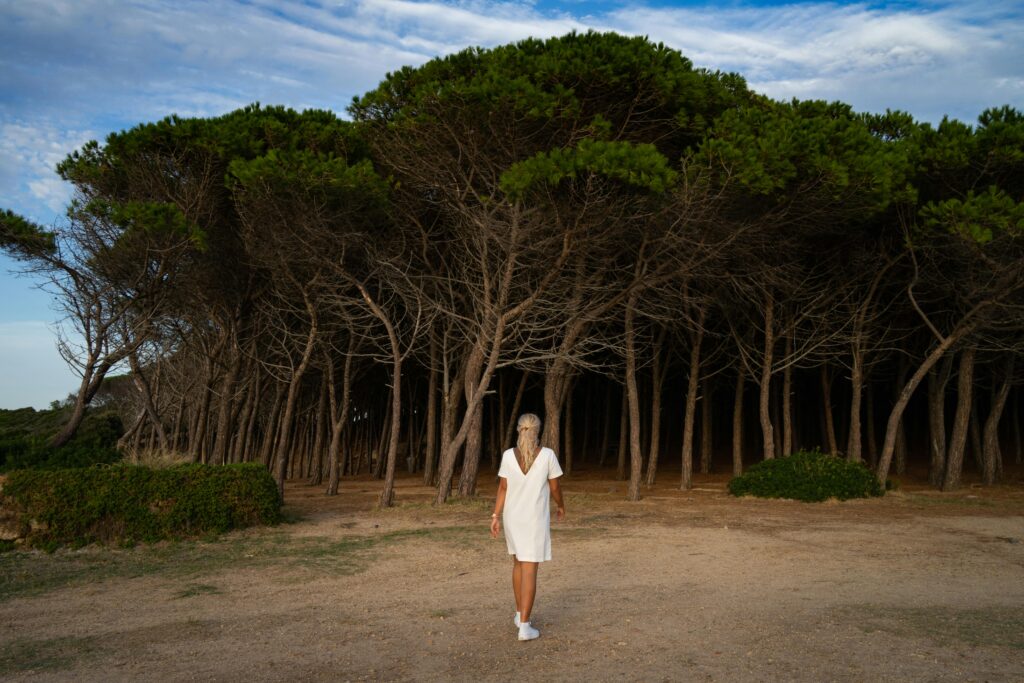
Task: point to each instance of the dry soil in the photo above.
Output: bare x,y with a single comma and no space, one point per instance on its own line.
682,586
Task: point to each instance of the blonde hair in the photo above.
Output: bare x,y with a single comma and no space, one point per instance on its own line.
529,438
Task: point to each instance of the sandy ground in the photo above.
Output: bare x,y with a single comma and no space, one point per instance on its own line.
682,586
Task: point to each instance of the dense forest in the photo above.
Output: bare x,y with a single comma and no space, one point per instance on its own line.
675,272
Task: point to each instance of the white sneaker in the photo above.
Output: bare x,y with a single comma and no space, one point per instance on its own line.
515,620
527,632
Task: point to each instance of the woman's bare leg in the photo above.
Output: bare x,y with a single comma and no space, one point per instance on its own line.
527,589
517,574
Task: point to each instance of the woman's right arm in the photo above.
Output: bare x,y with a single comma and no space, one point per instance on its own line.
499,505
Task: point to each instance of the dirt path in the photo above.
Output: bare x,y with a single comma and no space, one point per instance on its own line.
679,587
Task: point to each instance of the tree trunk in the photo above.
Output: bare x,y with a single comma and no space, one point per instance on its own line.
1018,447
958,442
787,402
975,432
449,450
567,453
692,385
869,419
197,447
556,385
966,326
142,384
92,379
901,433
854,445
382,444
269,435
620,472
283,450
246,421
387,494
992,455
340,419
176,430
471,452
737,424
705,428
430,452
222,435
588,410
938,376
830,423
657,385
636,456
606,427
513,416
316,459
764,404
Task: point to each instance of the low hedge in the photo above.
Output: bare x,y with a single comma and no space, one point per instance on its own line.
809,476
129,503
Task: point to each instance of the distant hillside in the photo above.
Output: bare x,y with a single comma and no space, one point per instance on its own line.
25,434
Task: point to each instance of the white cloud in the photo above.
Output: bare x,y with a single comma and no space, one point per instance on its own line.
29,153
72,70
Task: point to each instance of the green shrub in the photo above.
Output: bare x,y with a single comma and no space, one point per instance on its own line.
129,503
808,476
25,436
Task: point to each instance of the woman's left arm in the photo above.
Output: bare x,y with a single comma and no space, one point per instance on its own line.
499,505
556,494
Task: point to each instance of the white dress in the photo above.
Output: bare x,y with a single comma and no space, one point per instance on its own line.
527,511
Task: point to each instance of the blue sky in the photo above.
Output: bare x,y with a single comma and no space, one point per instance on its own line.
75,70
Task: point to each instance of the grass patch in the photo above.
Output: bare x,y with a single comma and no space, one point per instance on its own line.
31,572
948,500
984,627
195,589
50,654
442,613
574,533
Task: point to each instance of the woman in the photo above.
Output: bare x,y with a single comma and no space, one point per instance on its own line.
529,479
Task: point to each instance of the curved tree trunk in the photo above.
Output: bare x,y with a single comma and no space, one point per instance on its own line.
992,454
142,384
967,325
938,376
958,442
283,449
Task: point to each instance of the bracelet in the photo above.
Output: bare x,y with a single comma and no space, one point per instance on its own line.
494,515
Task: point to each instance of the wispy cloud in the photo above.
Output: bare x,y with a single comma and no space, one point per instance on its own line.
70,69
